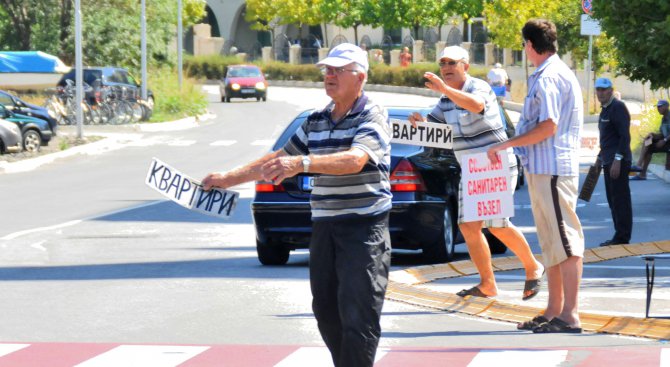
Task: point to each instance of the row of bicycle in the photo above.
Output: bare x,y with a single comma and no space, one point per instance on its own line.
100,105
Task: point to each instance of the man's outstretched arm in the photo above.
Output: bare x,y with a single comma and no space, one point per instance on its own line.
249,172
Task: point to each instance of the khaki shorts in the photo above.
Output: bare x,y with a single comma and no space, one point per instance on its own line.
554,201
490,223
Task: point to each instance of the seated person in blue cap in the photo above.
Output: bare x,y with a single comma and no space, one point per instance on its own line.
659,142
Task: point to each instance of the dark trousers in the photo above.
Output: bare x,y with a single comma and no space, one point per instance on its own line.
349,263
618,198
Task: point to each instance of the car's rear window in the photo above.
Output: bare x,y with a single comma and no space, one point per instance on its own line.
89,76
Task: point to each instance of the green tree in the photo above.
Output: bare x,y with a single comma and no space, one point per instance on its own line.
641,33
352,13
111,29
411,14
505,18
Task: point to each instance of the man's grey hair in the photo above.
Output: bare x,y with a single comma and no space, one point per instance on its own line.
359,68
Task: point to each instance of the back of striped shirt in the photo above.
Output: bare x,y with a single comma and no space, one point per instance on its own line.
554,93
365,127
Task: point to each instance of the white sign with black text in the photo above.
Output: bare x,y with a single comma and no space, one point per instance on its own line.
486,187
426,134
188,193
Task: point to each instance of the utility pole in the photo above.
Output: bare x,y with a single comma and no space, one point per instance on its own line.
78,65
143,31
180,41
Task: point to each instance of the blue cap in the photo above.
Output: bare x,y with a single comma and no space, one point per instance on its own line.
603,83
662,102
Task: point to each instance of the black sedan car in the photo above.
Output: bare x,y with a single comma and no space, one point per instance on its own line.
424,182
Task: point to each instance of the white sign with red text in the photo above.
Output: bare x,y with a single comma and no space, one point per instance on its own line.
486,187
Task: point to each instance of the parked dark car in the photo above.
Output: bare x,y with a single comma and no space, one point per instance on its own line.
243,81
35,132
16,105
108,76
424,182
10,137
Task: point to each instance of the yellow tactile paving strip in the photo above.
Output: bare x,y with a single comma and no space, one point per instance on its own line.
404,286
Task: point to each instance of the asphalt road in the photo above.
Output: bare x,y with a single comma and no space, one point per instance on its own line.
92,255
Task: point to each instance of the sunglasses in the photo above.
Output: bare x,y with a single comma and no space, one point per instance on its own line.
450,63
336,71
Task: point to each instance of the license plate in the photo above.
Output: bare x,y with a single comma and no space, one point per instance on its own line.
307,183
248,91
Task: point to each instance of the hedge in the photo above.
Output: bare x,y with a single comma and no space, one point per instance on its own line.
214,68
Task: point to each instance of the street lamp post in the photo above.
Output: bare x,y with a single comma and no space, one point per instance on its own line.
180,40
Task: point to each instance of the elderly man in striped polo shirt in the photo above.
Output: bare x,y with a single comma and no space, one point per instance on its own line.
548,136
469,106
347,146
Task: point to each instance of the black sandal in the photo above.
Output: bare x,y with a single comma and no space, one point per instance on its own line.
532,323
557,325
474,291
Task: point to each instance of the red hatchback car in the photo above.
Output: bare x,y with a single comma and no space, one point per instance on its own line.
243,81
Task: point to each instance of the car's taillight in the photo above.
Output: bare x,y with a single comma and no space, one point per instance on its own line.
406,178
264,186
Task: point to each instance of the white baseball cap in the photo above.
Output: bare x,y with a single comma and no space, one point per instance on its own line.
344,54
455,53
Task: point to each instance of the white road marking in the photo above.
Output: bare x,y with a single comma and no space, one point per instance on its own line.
144,355
6,349
223,143
519,358
266,142
14,235
316,356
38,245
181,143
665,357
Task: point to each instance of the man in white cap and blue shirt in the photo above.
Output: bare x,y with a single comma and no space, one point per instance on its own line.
469,106
346,146
616,158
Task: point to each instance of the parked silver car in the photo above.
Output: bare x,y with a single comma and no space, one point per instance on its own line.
10,137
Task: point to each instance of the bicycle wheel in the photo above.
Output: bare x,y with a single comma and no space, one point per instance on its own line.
123,113
137,112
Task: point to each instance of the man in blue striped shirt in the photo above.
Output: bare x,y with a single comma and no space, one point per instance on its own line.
347,145
548,136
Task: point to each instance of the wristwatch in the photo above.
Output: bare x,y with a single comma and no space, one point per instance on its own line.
618,157
305,163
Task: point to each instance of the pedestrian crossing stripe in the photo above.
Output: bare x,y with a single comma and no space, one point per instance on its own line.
9,348
144,356
131,355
